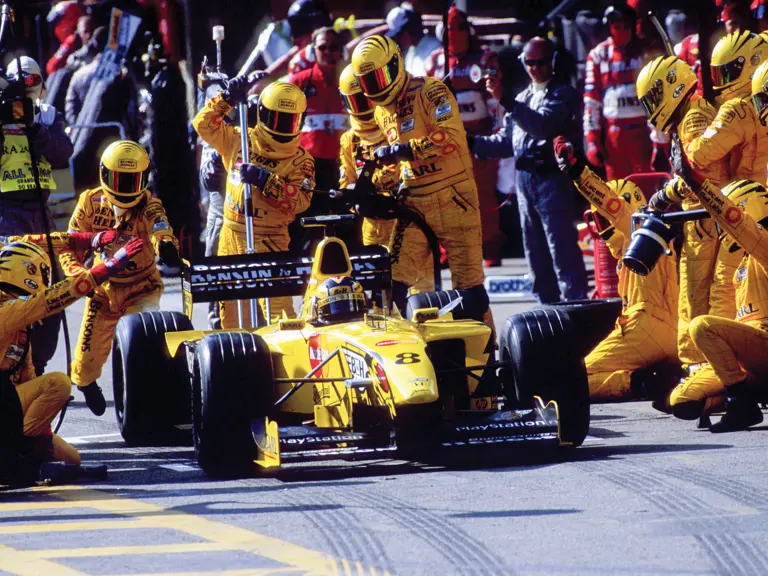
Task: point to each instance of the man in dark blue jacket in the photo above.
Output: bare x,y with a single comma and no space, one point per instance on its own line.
547,200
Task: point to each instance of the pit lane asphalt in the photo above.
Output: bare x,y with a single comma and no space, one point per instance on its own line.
646,494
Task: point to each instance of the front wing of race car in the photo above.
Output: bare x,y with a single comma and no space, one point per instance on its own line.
277,445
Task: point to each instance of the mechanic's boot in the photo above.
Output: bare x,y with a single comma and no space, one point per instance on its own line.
742,410
704,422
94,398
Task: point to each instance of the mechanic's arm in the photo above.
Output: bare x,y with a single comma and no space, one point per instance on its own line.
209,124
719,138
213,175
348,167
446,130
51,141
291,193
739,225
547,122
497,145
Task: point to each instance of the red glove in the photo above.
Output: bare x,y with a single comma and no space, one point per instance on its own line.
119,262
564,154
595,152
85,241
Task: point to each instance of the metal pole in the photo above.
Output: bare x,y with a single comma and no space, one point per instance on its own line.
218,37
247,200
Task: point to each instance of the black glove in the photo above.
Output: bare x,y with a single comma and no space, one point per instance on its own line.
237,90
387,155
681,165
254,175
169,254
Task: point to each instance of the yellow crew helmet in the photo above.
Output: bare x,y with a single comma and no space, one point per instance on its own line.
734,60
760,92
663,86
124,173
378,65
359,108
752,198
279,118
25,269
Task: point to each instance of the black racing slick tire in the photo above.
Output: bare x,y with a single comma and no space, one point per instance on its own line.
470,307
233,385
592,320
542,348
151,388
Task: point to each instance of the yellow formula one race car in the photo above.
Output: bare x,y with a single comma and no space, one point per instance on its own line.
369,382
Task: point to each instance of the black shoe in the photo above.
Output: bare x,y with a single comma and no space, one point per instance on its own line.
704,422
94,398
742,412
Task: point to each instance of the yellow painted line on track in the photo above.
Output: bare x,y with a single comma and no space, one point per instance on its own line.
136,514
97,551
11,561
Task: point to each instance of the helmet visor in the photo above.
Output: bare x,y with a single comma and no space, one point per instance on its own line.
130,183
377,81
760,100
285,123
652,99
340,306
727,73
356,103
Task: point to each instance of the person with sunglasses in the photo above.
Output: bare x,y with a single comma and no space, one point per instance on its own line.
548,107
124,204
36,136
326,119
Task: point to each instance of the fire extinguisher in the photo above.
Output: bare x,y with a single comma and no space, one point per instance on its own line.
606,277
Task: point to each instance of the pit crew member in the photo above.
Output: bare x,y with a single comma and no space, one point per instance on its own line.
477,109
734,349
281,174
666,88
420,118
29,402
122,203
645,332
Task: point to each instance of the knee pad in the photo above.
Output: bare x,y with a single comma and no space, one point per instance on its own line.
689,410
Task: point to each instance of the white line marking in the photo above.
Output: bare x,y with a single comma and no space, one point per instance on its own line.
180,467
91,439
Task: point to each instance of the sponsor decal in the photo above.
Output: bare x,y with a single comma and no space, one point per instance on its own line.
160,225
442,110
316,353
127,163
449,149
31,268
501,426
746,310
14,352
672,77
438,137
286,104
90,318
82,286
613,206
419,381
322,439
741,274
732,215
357,366
407,125
513,415
678,91
31,284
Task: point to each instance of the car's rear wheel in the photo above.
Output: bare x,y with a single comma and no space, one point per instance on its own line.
232,386
592,320
542,349
151,388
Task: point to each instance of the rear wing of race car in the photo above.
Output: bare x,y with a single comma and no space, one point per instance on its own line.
271,274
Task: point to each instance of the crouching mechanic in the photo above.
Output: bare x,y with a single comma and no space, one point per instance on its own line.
28,403
645,332
734,349
666,88
122,203
281,174
420,118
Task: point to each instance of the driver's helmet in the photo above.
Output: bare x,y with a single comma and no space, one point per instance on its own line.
340,299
